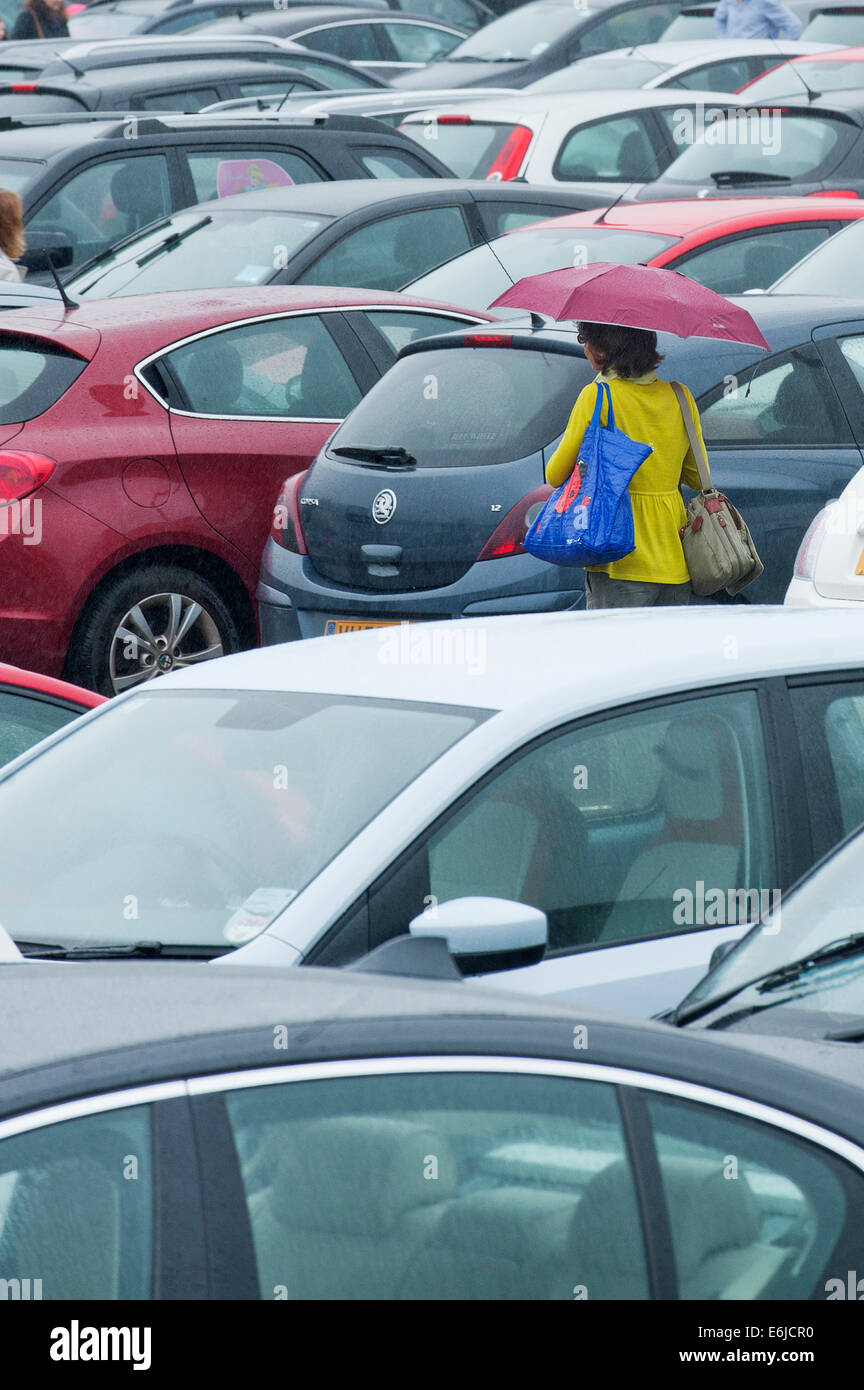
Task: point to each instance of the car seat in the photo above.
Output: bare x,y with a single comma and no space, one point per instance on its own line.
63,1227
636,159
800,411
138,200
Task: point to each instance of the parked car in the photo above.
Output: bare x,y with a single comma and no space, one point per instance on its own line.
724,66
838,70
33,706
388,106
539,38
85,184
115,18
784,430
303,804
609,142
377,233
406,1139
829,566
817,148
466,15
836,24
730,244
800,972
136,413
381,43
697,21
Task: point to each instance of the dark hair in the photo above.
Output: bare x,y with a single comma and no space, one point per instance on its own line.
41,10
628,351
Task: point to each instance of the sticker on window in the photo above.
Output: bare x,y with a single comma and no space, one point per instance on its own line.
256,913
252,274
245,175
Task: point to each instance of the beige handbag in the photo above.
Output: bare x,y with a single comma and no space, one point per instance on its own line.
717,544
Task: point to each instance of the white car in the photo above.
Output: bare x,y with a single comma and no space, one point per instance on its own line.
723,65
829,566
608,141
646,779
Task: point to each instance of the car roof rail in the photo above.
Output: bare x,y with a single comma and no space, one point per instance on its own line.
37,118
420,957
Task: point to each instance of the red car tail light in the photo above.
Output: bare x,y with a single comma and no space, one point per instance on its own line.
453,120
834,193
508,160
286,529
509,534
21,474
24,87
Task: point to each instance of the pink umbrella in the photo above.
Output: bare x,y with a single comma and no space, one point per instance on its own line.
636,296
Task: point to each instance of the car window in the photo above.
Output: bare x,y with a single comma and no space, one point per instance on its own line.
388,253
439,1185
837,271
726,76
221,173
76,1207
787,400
473,149
852,348
392,164
402,328
457,12
830,722
189,99
841,27
33,376
755,1212
25,719
642,24
619,149
626,828
283,367
744,149
355,42
419,43
17,174
750,262
334,75
105,202
273,87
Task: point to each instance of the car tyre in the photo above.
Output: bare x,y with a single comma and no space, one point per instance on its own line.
152,620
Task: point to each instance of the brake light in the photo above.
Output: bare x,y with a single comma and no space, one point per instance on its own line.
24,87
808,550
21,474
488,340
509,534
454,120
508,161
286,529
834,193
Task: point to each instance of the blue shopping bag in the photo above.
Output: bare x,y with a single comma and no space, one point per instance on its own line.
589,520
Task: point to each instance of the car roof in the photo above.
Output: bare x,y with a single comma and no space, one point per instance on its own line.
673,52
582,105
686,215
585,660
42,136
304,16
338,197
159,75
47,685
835,55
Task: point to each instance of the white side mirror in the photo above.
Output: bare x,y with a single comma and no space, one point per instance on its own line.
486,934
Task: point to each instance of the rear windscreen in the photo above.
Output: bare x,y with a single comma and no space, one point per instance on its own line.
463,407
767,145
469,150
33,375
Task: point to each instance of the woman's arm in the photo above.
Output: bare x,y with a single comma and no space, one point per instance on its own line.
562,462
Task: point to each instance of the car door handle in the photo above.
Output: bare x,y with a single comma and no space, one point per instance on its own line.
381,554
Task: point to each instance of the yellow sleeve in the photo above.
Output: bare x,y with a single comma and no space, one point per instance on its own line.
562,462
689,472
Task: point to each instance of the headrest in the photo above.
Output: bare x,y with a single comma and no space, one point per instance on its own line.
507,1223
692,757
707,1211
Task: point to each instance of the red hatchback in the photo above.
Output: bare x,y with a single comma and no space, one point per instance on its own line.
143,444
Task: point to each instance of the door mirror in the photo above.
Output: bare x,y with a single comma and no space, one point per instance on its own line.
486,934
720,952
58,246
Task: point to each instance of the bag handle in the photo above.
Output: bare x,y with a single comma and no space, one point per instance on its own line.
603,389
697,446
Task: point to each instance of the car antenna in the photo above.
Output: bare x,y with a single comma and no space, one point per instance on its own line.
68,303
812,94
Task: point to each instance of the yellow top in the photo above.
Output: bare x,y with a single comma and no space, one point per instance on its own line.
647,410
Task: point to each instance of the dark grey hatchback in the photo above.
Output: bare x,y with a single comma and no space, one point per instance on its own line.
418,504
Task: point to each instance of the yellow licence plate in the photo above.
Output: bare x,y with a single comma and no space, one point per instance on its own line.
333,625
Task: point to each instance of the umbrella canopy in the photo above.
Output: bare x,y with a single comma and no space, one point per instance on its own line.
635,296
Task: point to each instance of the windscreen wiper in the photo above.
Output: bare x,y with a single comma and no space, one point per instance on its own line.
173,239
846,946
722,177
44,950
393,456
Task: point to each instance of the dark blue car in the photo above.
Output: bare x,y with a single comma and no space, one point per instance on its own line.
418,504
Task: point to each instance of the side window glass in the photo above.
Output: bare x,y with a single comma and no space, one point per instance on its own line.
787,400
646,824
391,252
439,1186
830,724
644,24
105,202
401,328
420,43
287,367
852,348
717,77
190,100
357,42
221,173
457,12
619,149
755,1212
498,218
71,1215
750,262
393,164
24,720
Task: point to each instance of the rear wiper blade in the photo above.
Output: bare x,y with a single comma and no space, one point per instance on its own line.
393,456
172,240
43,950
735,176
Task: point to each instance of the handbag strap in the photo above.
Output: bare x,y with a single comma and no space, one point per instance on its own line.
700,458
603,389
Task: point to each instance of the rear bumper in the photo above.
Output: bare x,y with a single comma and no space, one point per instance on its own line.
294,601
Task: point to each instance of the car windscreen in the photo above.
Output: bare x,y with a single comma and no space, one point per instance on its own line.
791,80
835,268
18,174
33,376
467,406
595,74
521,35
195,817
106,22
468,147
479,276
843,28
197,250
769,146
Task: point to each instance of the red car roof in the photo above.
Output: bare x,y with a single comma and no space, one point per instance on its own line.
46,685
685,216
836,55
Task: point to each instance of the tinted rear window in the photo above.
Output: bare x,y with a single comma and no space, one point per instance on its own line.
462,407
747,146
469,150
33,375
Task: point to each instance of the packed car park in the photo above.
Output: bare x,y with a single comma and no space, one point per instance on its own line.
416,926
